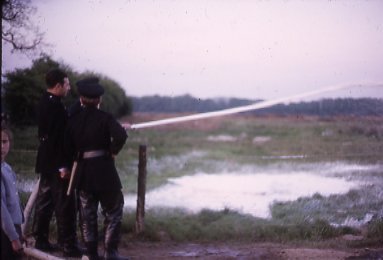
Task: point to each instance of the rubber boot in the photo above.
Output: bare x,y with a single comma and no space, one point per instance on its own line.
68,239
91,252
43,214
111,253
115,256
41,234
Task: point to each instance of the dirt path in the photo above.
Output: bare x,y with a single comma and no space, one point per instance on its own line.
243,251
169,250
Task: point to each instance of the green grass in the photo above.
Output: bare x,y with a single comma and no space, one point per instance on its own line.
334,208
227,225
23,151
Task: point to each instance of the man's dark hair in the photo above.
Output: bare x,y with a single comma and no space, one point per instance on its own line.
55,76
90,102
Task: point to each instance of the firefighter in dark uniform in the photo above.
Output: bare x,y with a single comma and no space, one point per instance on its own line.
92,139
52,120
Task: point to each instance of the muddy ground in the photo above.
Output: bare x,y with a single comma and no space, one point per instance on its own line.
243,251
237,250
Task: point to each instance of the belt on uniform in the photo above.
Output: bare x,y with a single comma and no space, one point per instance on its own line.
93,154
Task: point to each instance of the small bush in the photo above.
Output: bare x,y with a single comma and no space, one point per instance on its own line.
375,230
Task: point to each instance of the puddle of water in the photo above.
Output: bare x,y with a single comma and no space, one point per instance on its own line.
245,192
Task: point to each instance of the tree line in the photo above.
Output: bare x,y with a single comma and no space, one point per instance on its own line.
324,107
22,89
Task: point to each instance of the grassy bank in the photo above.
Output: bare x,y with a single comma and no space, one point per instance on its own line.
231,143
226,225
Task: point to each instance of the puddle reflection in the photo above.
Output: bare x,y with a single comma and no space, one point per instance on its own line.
244,192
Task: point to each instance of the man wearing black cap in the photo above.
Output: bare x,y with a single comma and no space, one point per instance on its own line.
92,140
51,197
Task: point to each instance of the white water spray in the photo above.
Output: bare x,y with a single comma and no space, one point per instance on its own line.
255,106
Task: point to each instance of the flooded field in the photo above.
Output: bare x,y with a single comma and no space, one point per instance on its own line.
253,191
250,178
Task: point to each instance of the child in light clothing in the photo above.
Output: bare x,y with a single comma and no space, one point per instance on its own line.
11,213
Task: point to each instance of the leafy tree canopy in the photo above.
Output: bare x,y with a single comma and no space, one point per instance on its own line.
23,88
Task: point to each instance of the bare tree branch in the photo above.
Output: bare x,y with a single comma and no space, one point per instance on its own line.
18,30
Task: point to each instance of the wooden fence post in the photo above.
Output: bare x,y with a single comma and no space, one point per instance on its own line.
141,189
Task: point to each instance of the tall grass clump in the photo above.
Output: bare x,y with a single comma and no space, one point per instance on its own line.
226,225
375,230
336,209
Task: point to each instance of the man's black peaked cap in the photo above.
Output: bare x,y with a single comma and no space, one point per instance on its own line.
90,87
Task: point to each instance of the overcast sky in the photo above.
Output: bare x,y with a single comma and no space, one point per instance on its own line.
217,48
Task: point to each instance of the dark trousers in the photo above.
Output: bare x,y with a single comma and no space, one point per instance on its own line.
112,203
6,246
52,198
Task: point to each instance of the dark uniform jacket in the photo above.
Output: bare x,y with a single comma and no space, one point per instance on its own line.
51,119
94,130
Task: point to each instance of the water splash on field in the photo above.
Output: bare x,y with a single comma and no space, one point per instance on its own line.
253,193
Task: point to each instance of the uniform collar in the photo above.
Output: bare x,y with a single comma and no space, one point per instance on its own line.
52,96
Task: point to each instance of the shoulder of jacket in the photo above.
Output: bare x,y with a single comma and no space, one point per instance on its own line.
105,114
51,100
